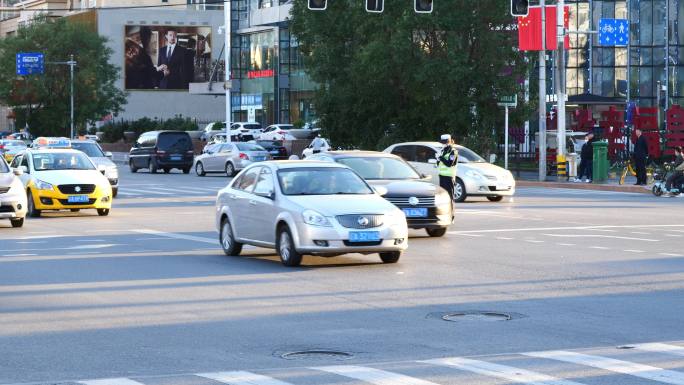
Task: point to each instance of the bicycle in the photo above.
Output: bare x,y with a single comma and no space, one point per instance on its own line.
627,168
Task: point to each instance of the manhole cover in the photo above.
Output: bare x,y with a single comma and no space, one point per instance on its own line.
317,354
476,315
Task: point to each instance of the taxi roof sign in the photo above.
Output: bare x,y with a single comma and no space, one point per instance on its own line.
51,142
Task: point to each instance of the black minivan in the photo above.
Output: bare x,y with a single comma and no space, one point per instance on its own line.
162,150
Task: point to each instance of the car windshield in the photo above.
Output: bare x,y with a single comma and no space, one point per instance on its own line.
174,141
13,143
321,181
90,149
249,147
469,155
3,165
285,127
50,161
376,167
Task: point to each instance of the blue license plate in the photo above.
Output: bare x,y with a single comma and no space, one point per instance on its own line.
416,213
77,199
176,157
259,158
274,152
364,236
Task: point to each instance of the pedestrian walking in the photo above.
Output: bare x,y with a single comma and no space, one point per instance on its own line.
640,155
446,163
586,168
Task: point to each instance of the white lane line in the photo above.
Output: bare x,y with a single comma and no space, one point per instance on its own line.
674,235
373,376
471,235
517,229
661,348
505,238
90,240
18,255
670,255
177,236
509,373
618,366
640,233
565,244
241,378
600,236
31,242
150,191
633,251
111,381
599,247
533,241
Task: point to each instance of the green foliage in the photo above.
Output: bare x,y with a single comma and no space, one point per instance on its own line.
113,131
422,75
44,99
299,123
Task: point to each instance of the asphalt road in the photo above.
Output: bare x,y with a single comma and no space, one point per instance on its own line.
592,281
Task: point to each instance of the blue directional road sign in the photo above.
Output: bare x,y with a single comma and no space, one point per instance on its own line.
613,32
29,63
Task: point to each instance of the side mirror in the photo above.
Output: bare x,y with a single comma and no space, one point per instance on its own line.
432,161
24,169
18,171
380,190
102,169
425,177
109,154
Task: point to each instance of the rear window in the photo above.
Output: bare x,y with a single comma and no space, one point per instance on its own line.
253,126
249,147
174,141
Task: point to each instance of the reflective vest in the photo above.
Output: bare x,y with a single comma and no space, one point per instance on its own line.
444,168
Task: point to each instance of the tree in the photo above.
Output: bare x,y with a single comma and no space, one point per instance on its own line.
44,100
406,76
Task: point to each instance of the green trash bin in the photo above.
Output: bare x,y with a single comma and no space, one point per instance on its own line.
600,164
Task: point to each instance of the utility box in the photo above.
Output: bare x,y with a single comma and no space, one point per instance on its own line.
572,165
600,164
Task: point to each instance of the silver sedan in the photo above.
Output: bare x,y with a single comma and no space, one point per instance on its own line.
301,207
229,158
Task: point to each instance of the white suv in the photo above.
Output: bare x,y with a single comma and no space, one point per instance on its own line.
12,195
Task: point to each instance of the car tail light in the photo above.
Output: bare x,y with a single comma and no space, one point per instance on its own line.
244,156
161,153
190,152
281,132
2,146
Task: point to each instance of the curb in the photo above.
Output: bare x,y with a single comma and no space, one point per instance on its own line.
585,186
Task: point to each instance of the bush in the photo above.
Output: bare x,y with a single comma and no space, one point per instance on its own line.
113,131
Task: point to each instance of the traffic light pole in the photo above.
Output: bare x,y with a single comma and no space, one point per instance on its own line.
542,97
228,80
560,90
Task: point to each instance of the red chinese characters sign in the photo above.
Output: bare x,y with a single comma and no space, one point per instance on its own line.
260,74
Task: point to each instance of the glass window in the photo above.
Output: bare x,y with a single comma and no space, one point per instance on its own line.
90,149
50,161
3,165
249,147
265,183
376,167
175,141
405,152
658,22
16,161
424,153
468,155
24,162
247,180
321,181
645,22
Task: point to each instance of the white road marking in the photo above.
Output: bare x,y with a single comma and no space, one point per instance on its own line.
31,242
373,376
633,251
18,255
565,244
517,229
505,238
533,241
509,373
471,235
177,236
618,366
111,381
671,255
90,240
150,191
640,233
241,378
661,348
674,235
600,236
599,247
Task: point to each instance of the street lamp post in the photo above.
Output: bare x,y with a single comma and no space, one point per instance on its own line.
228,81
71,63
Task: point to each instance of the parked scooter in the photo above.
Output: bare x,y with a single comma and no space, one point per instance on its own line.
660,177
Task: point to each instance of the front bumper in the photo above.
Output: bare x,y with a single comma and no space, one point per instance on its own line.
56,200
13,205
393,237
490,188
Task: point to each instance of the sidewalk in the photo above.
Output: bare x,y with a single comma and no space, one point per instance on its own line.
530,179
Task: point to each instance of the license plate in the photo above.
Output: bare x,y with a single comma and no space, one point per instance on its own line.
275,152
503,187
364,236
176,157
415,213
259,158
77,199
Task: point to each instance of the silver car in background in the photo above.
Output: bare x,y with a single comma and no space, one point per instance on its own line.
302,207
229,158
101,159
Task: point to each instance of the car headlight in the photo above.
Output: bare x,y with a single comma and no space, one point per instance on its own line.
442,199
40,185
113,172
475,175
315,219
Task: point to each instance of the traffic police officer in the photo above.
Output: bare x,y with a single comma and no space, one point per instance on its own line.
446,163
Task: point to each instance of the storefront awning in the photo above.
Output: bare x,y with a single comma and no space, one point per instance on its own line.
595,100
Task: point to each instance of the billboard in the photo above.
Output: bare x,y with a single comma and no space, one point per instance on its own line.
163,57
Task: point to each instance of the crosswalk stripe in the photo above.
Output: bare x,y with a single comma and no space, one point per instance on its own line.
373,376
661,348
111,381
618,366
242,378
510,373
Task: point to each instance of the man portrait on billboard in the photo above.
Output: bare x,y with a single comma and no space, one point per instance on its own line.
173,63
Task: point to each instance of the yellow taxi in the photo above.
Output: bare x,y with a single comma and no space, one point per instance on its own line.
57,177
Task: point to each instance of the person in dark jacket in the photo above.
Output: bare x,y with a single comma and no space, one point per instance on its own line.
677,173
640,155
586,167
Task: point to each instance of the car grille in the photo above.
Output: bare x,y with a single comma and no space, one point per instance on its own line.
66,202
493,188
6,209
404,201
4,190
374,243
71,188
352,221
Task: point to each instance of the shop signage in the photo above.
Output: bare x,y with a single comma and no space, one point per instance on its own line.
260,74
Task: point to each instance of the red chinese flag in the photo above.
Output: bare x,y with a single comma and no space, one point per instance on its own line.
529,29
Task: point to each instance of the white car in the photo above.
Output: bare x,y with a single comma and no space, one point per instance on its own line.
246,128
277,132
101,159
474,175
309,150
13,201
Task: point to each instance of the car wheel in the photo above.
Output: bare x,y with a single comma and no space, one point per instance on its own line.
199,169
436,233
17,222
115,192
167,170
103,212
75,210
186,170
390,256
32,211
230,170
286,248
228,243
460,194
133,168
657,191
497,198
152,166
